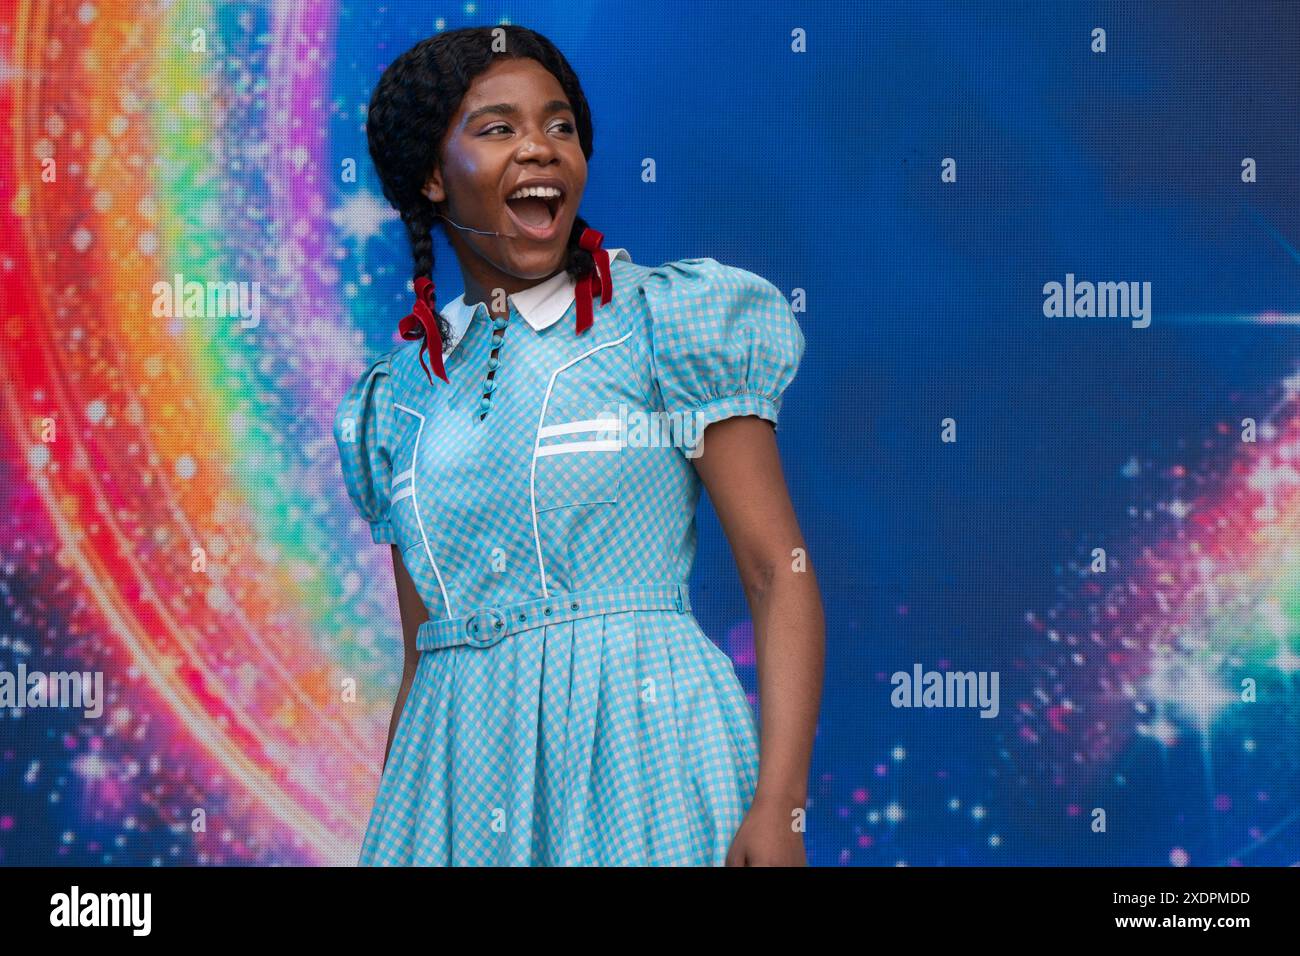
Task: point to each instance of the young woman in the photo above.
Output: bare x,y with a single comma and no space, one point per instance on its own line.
559,703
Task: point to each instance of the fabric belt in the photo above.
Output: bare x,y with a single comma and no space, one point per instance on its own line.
490,625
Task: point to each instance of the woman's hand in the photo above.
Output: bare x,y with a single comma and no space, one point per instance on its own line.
768,836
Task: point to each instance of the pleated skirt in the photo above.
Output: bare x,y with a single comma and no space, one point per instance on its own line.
623,739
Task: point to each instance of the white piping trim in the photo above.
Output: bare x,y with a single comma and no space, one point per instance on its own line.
404,476
415,502
586,425
401,493
532,471
570,447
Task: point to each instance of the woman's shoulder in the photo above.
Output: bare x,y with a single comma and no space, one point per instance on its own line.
398,367
722,339
694,276
383,380
699,294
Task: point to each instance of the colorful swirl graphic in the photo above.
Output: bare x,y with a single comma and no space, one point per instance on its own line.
172,476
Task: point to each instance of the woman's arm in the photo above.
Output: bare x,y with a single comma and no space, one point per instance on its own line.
741,469
414,613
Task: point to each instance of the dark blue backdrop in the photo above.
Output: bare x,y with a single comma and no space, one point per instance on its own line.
821,170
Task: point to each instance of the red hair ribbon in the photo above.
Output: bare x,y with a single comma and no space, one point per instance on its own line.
601,276
422,323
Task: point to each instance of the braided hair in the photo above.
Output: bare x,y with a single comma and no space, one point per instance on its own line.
412,106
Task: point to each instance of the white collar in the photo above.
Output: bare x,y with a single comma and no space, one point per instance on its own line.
541,305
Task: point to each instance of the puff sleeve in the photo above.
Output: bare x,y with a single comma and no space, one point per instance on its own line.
362,426
724,341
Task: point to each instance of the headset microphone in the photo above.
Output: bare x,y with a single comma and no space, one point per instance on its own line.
503,235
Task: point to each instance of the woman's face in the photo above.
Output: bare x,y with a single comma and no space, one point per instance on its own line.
514,127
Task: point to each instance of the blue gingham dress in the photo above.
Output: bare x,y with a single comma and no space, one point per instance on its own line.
567,708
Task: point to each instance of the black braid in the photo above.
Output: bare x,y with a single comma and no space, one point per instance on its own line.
412,106
580,261
419,220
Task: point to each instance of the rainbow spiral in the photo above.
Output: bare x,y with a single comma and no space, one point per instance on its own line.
175,493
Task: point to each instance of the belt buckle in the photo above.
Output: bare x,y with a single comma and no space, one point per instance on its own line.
485,627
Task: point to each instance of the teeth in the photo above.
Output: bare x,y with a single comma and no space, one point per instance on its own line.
541,192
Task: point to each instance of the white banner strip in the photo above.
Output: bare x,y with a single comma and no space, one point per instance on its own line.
586,425
573,447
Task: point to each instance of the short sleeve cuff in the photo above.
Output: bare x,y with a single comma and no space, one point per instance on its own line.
746,403
730,406
381,532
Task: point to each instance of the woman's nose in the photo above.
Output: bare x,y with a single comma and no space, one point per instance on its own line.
533,148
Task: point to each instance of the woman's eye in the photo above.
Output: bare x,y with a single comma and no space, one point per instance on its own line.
565,127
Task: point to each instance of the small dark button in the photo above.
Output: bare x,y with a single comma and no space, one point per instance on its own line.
573,606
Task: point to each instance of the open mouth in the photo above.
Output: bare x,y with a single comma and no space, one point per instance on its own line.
536,210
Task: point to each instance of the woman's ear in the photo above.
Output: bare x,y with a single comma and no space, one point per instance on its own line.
433,187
